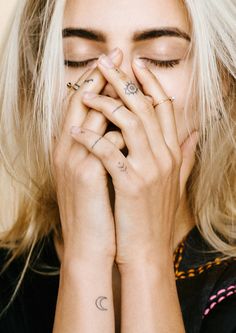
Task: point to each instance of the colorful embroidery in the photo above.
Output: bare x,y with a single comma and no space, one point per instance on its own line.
219,297
191,272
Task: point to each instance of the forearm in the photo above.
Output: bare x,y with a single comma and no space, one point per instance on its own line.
85,300
150,301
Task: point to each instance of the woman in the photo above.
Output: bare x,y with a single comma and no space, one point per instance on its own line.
118,156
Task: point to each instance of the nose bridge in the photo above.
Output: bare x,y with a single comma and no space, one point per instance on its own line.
125,67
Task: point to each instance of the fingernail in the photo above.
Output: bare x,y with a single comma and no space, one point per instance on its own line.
75,130
114,53
89,95
106,61
140,63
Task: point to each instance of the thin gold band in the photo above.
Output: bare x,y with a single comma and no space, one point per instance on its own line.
171,99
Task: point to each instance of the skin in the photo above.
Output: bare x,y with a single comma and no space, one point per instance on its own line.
150,214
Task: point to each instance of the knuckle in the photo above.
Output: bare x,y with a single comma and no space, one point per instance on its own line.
136,188
83,175
116,138
109,152
168,165
134,123
152,177
147,106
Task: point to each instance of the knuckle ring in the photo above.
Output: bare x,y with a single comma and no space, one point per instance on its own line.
75,86
171,99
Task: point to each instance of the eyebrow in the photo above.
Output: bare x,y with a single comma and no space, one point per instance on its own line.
143,35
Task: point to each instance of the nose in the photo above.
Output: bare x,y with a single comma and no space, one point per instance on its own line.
125,67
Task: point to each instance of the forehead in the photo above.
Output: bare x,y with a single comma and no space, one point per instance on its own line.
123,17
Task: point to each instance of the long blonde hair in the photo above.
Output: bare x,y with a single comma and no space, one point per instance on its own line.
31,98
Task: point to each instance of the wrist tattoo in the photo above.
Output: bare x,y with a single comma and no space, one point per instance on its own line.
130,88
98,303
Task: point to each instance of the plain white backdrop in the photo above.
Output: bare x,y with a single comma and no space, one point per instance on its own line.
6,10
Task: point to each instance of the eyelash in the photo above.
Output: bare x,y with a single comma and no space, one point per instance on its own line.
158,63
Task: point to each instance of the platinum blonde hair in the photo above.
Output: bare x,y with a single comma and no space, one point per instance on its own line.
31,99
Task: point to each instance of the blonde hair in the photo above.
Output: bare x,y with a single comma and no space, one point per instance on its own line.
31,98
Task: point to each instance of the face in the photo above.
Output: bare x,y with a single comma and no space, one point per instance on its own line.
163,51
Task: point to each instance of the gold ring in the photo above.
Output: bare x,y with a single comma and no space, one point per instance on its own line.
75,86
171,99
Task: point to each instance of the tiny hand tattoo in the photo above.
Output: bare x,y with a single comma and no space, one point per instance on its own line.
131,88
122,167
88,80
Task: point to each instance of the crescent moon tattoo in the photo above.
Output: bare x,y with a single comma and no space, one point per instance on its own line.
98,303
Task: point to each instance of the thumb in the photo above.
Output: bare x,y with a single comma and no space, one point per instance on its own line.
188,149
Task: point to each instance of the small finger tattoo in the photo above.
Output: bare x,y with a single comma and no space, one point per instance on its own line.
122,167
98,303
118,107
96,142
88,80
131,88
117,70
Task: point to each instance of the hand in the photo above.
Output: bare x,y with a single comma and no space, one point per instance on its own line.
81,180
150,181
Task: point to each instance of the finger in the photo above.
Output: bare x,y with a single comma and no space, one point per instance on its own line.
95,121
116,138
76,111
92,160
188,149
130,125
165,110
137,102
113,160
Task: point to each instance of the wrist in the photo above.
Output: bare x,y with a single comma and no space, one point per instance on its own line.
73,264
151,266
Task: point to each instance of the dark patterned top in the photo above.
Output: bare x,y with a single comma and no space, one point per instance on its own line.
206,287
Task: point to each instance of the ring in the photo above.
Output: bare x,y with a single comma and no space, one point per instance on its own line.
171,99
75,86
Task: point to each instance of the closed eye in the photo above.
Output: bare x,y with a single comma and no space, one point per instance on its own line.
163,63
158,63
78,63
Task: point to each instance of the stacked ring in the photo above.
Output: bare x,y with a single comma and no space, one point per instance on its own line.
75,86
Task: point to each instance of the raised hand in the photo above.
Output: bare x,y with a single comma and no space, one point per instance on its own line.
81,179
150,181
